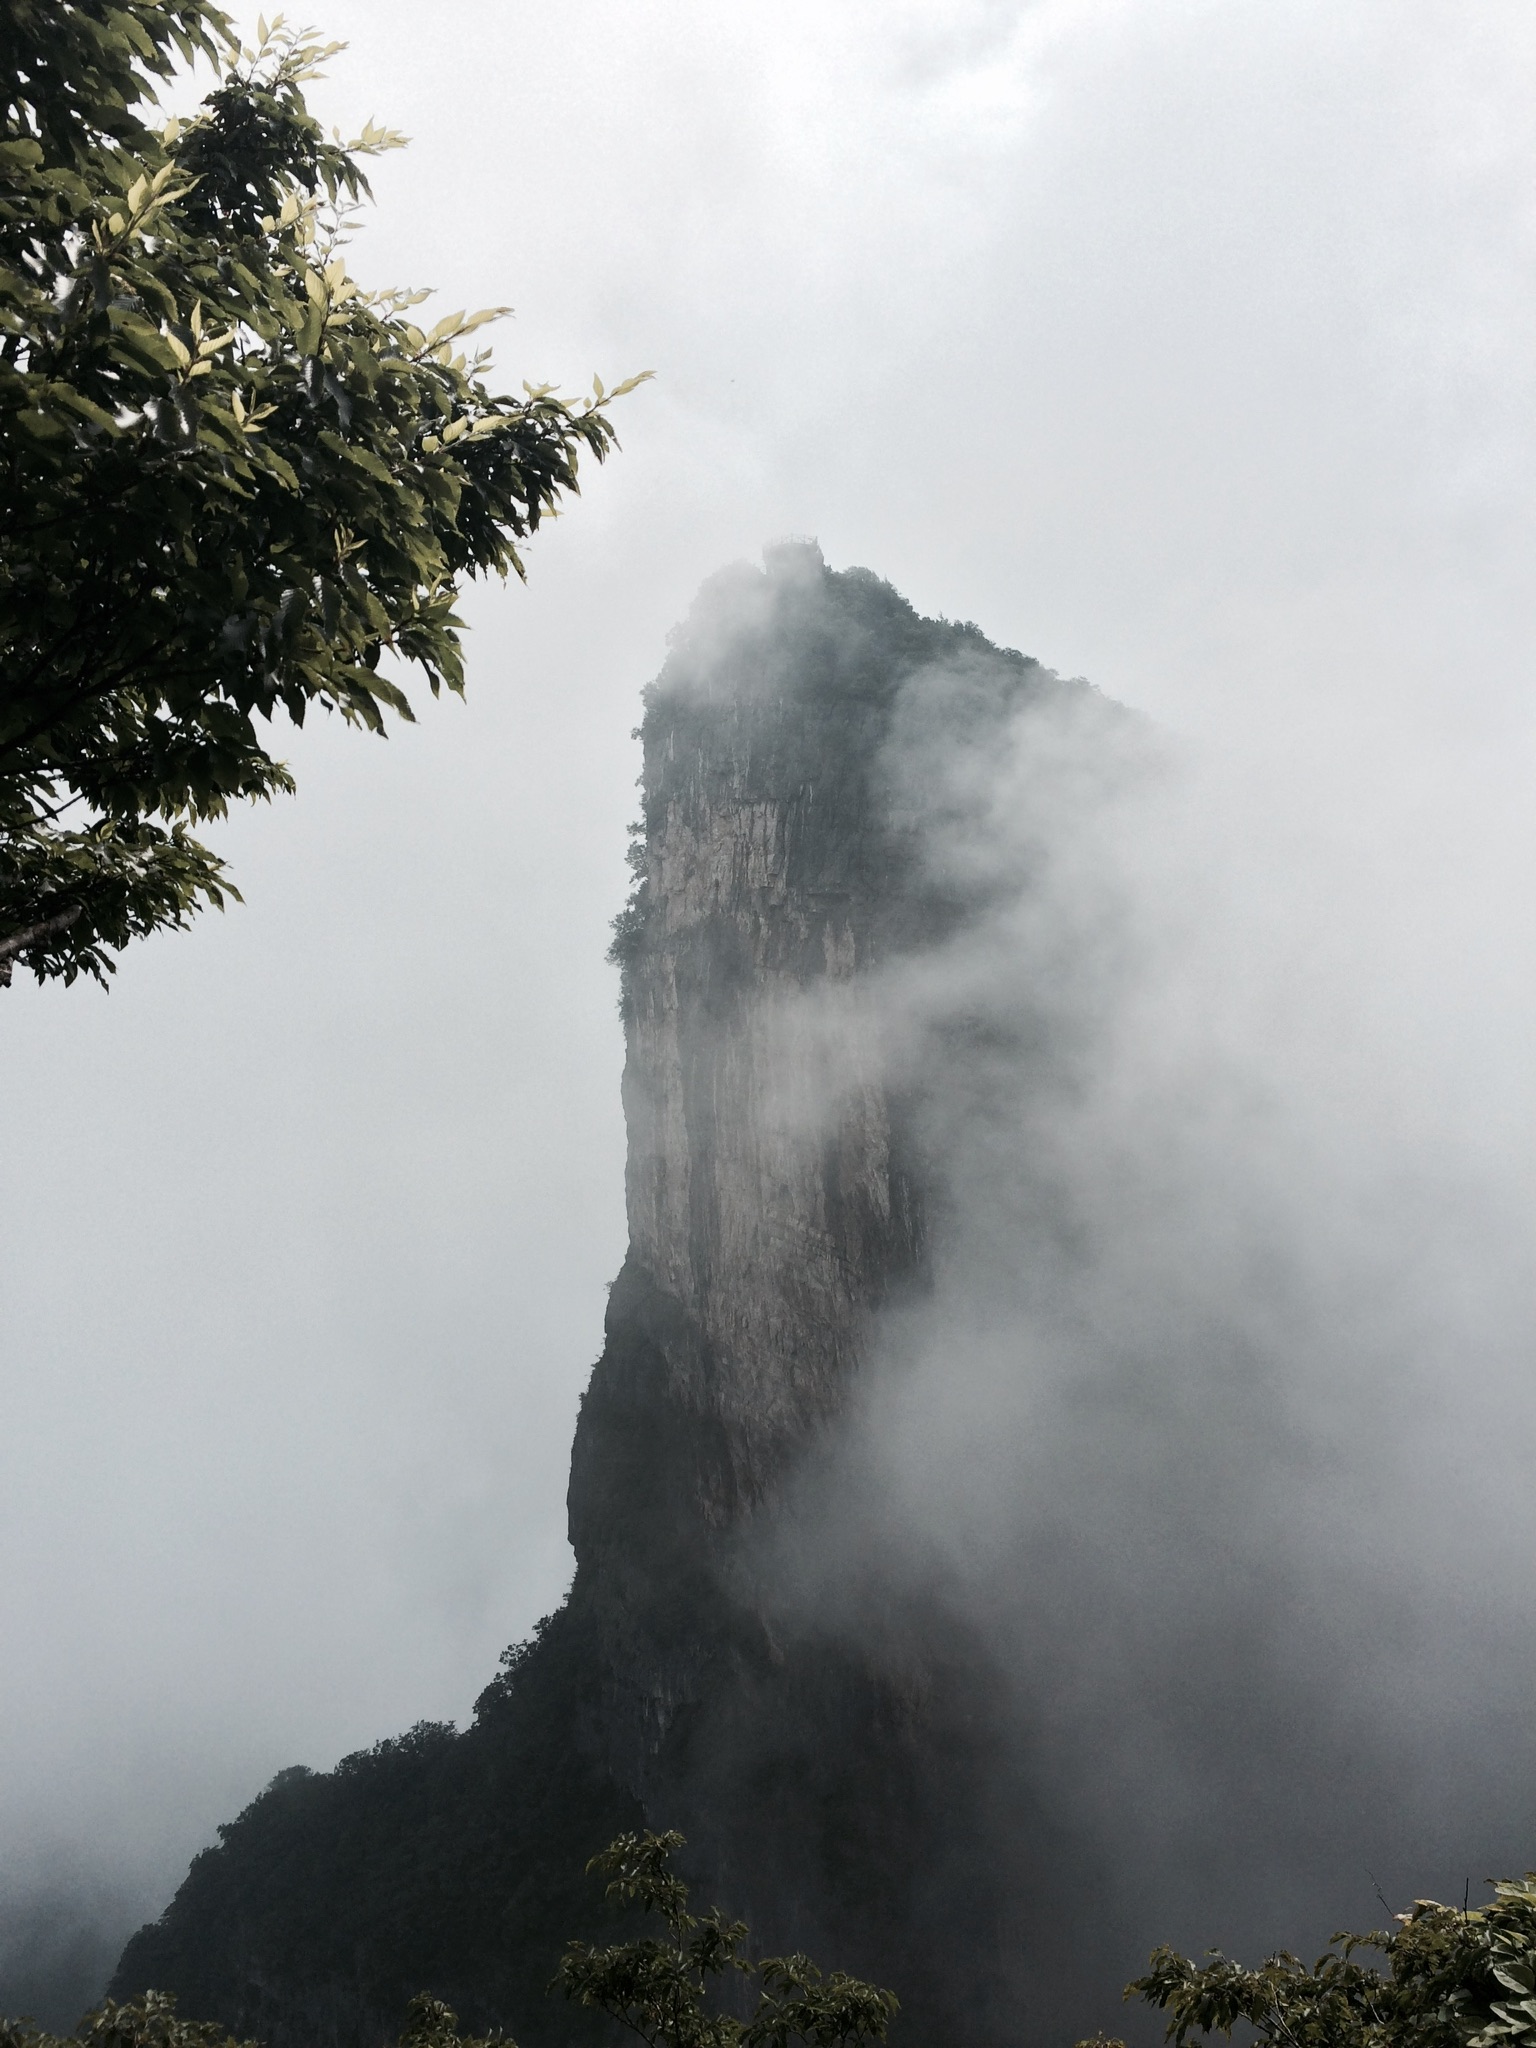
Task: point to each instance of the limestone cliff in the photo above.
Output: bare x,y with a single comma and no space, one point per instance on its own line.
850,1795
766,1224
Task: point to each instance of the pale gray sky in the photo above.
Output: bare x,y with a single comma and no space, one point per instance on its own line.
1186,344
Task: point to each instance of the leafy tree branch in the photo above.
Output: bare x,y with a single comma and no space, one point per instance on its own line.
237,485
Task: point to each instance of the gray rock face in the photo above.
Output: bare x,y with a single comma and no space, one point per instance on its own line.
774,1205
767,1194
770,1208
777,1207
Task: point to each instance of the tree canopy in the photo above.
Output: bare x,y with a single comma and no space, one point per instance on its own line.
237,485
148,2022
1454,1977
660,1986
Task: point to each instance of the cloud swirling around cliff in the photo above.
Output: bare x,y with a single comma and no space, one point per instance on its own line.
1218,1420
1185,344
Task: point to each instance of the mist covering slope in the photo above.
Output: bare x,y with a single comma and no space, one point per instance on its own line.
855,1790
1057,1476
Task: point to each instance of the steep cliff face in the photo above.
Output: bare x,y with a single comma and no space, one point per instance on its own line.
770,866
848,1794
772,1208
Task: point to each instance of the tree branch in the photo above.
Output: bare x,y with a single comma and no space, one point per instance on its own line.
29,936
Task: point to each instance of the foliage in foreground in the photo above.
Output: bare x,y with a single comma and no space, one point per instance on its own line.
660,1987
235,483
148,2022
1452,1978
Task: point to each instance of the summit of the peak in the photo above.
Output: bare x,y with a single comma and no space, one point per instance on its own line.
793,555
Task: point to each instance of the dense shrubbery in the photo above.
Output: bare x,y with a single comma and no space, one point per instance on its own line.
663,1987
148,2022
1453,1977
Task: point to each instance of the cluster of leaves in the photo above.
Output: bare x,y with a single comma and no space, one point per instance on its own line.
660,1985
148,2022
1453,1978
429,2023
236,483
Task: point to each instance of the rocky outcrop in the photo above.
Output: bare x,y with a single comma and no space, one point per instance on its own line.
848,1791
772,1205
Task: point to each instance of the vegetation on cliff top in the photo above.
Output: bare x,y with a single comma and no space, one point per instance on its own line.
236,483
840,645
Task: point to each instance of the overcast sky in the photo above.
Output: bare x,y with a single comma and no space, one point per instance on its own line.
1185,346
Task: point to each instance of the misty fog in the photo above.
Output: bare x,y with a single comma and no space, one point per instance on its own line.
1185,346
1216,1420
